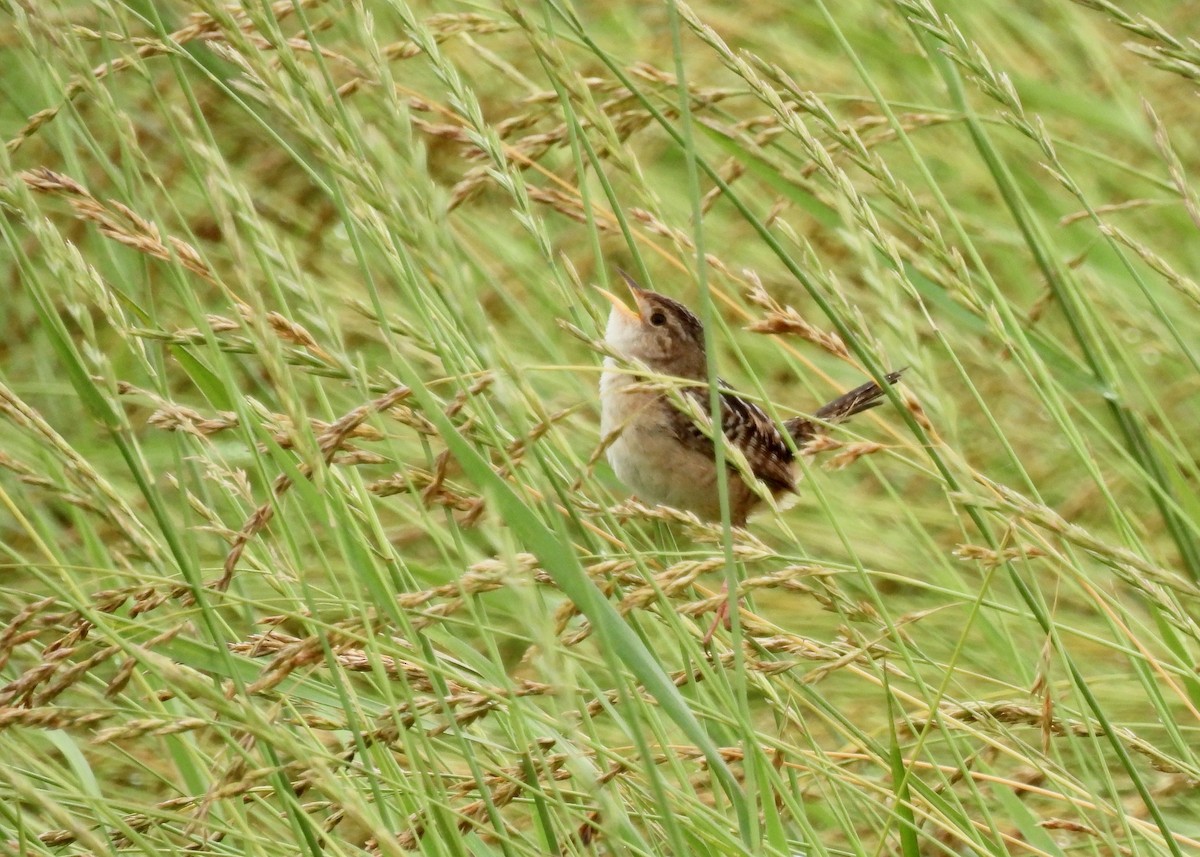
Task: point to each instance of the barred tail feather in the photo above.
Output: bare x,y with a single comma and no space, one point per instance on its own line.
842,408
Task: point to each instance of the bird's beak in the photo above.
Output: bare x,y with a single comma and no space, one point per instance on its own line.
619,305
634,289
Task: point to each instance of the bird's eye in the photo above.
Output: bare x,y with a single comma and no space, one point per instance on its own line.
658,319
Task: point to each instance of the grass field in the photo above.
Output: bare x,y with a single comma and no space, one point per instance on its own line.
308,542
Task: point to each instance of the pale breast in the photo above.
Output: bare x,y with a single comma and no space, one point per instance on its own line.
649,459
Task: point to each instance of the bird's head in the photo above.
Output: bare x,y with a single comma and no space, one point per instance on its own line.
660,332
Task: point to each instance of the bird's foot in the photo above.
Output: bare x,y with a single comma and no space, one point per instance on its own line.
722,617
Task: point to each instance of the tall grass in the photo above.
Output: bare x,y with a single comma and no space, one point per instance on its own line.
308,541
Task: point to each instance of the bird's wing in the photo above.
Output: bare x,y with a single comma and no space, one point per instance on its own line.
748,428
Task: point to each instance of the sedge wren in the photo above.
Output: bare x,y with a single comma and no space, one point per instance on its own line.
658,451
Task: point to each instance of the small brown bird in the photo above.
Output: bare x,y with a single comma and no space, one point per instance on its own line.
659,452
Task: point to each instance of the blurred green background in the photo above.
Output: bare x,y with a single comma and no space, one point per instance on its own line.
308,542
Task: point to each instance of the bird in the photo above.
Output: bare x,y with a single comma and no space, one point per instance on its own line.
658,450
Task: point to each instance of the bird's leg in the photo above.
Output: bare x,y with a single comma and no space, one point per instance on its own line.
722,617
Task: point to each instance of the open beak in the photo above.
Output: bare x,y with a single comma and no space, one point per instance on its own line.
620,306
